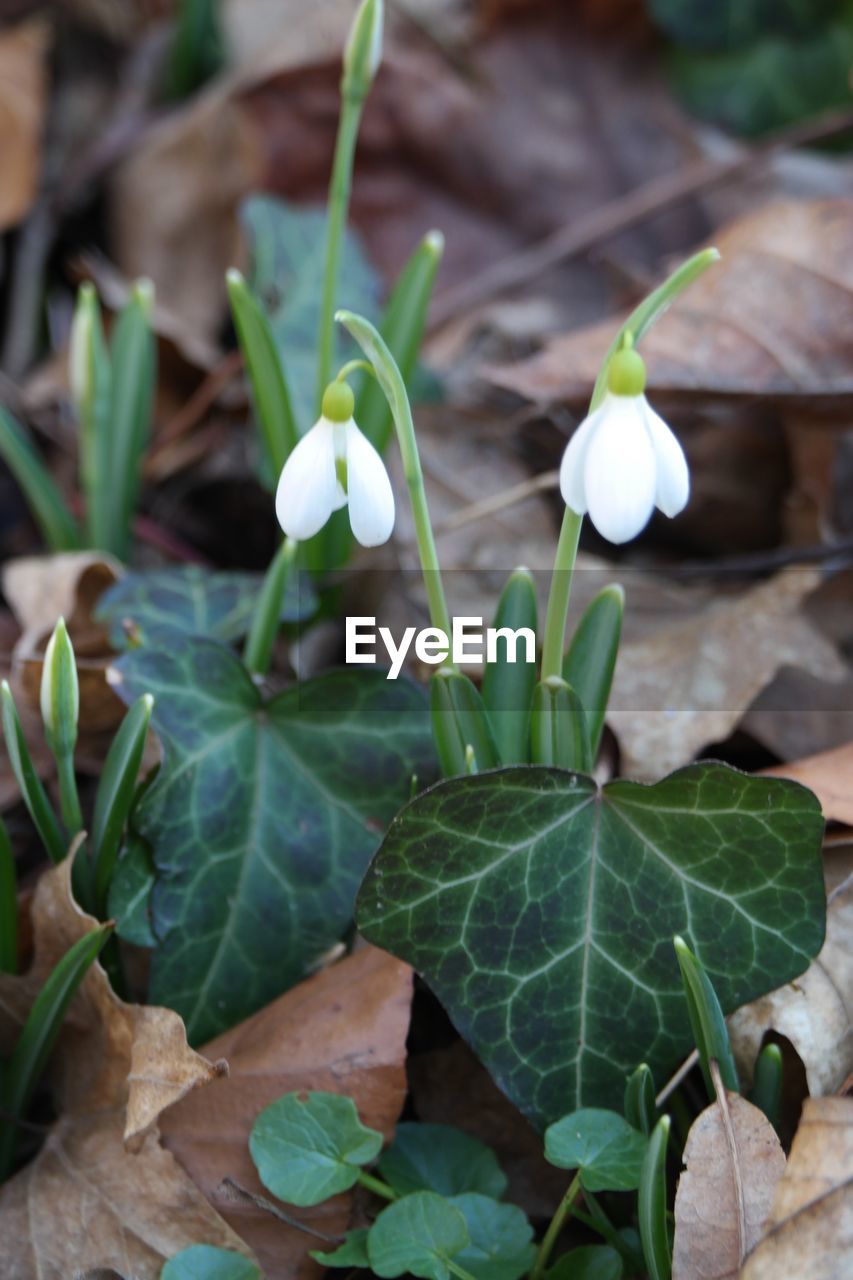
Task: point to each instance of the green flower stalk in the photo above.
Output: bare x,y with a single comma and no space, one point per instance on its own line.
362,57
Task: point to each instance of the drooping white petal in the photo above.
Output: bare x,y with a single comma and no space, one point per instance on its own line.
572,466
371,498
619,471
673,479
305,497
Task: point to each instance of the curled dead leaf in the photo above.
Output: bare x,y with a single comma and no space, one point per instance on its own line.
810,1230
39,590
101,1192
24,51
733,1162
343,1030
679,690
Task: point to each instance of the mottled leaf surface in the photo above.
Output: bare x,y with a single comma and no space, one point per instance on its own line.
262,819
541,911
193,601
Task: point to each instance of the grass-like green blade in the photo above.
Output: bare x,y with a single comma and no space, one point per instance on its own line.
116,789
277,425
508,686
459,721
134,369
29,1058
591,659
58,526
651,1204
558,729
640,1099
8,905
707,1021
32,792
88,345
767,1085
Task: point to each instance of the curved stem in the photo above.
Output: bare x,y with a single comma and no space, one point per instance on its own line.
555,1226
354,366
376,1185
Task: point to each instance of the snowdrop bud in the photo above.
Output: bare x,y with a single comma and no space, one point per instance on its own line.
60,696
363,52
623,460
81,352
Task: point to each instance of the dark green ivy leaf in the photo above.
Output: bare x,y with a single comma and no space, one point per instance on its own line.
541,911
262,819
194,601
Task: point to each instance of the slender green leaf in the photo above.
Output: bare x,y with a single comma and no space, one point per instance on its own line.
418,1236
501,1245
640,1109
558,729
134,357
24,1068
115,793
262,818
707,1020
602,1146
308,1147
437,1157
208,1262
540,910
654,1232
591,660
32,791
197,50
8,905
277,426
58,526
508,685
767,1085
91,378
459,721
257,653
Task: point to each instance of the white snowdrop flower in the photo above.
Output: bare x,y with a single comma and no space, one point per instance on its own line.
332,466
623,460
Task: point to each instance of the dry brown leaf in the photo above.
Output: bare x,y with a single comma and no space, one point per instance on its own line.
39,590
829,774
810,1231
101,1192
343,1030
733,1161
816,1011
23,95
688,685
774,317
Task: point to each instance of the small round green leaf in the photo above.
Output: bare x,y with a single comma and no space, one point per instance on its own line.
603,1146
308,1147
417,1236
590,1262
437,1157
206,1262
501,1245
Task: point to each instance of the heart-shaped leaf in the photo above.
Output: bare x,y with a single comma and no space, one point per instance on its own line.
207,1262
194,601
417,1235
262,819
541,911
589,1262
501,1237
602,1146
309,1147
437,1157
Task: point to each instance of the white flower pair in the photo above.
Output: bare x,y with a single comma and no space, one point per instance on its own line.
621,463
